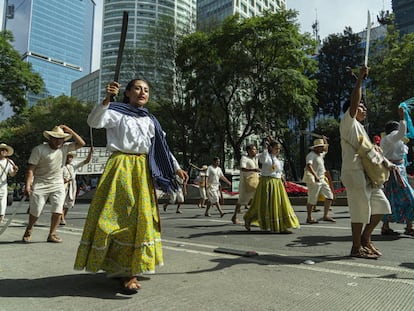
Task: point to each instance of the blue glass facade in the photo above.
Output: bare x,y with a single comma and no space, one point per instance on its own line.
56,37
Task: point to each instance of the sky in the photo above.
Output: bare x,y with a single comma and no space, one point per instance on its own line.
335,15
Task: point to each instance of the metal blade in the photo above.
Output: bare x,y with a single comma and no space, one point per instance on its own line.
367,39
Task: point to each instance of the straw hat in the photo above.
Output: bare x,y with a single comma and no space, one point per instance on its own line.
318,143
204,167
9,149
57,132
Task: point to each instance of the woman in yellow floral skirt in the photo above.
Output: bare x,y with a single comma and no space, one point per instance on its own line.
122,230
271,207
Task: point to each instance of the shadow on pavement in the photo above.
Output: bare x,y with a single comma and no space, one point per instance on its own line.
76,285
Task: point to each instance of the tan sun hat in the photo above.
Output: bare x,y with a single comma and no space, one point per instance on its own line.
57,132
9,149
204,167
318,143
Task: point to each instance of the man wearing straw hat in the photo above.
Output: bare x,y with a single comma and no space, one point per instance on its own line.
314,177
45,169
7,168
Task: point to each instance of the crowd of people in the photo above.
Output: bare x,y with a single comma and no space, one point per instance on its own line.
122,231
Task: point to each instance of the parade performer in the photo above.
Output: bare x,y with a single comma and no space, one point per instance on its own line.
214,175
69,178
7,168
122,230
249,173
315,177
367,204
178,195
270,206
44,178
397,189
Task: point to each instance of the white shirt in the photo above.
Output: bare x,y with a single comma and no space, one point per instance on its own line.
317,162
350,130
126,134
5,169
213,175
272,166
392,146
249,163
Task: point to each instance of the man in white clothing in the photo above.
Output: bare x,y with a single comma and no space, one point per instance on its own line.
214,175
7,168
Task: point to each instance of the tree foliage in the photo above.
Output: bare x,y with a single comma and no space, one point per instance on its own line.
16,76
335,83
249,76
391,77
24,131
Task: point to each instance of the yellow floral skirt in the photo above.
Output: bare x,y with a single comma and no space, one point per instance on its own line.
122,230
271,208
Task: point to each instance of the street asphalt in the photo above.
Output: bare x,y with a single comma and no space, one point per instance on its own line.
211,264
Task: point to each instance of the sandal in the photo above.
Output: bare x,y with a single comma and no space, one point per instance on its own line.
389,231
27,237
312,221
54,238
362,253
234,220
370,248
329,219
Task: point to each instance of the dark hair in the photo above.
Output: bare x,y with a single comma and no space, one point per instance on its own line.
215,159
391,126
129,86
347,103
272,144
250,147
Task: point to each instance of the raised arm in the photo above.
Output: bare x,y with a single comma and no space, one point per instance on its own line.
357,92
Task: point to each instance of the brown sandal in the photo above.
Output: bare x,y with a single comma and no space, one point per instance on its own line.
362,253
370,247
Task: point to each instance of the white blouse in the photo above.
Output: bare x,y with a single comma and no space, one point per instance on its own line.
272,166
393,147
124,133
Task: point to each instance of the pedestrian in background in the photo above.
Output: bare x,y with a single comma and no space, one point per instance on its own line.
7,168
316,180
214,175
44,178
122,232
178,195
69,178
271,207
397,189
249,179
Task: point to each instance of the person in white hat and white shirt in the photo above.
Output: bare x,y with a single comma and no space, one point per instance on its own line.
45,169
316,181
7,168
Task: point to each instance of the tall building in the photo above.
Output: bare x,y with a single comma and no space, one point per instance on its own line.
404,15
55,36
213,12
142,15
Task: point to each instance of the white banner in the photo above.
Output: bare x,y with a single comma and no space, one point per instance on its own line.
96,165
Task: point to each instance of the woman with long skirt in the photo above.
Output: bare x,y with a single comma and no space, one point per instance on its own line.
270,207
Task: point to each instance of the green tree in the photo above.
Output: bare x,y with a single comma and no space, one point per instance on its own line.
335,83
390,80
24,131
250,76
16,76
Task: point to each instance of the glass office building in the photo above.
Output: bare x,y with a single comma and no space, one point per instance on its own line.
213,12
142,15
55,36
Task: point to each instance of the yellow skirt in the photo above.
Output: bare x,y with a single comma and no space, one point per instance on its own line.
271,207
122,230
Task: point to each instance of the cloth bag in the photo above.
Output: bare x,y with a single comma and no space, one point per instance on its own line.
252,181
376,166
308,177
